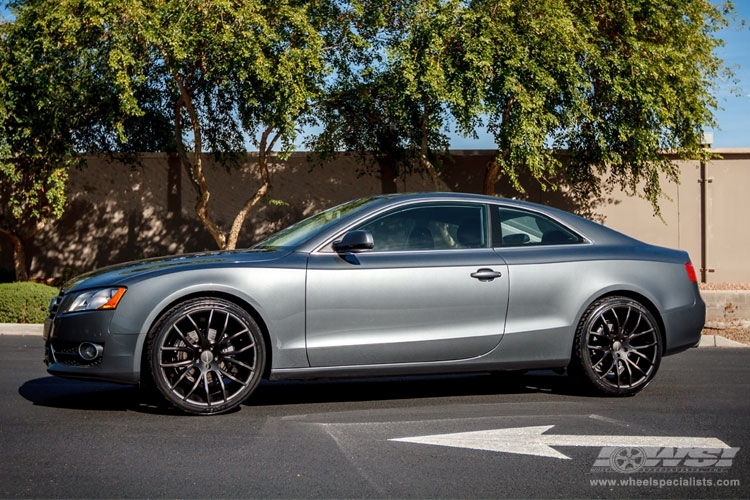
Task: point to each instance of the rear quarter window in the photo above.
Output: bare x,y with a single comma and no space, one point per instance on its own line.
514,227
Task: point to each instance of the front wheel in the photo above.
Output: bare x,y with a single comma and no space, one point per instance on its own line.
618,346
206,355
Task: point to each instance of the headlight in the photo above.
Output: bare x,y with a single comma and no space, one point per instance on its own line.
90,300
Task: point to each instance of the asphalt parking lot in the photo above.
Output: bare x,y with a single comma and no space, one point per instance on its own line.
467,436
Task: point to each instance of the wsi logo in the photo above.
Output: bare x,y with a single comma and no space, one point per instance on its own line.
628,459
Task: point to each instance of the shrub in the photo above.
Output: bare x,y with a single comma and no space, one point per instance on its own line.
25,302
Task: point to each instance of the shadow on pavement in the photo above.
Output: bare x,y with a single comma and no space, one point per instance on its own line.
103,396
414,387
73,394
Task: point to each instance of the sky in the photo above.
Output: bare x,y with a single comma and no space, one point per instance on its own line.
733,115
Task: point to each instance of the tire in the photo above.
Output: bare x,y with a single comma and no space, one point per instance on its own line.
206,356
618,347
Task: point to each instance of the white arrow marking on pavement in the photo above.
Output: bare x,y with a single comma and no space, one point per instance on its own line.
533,441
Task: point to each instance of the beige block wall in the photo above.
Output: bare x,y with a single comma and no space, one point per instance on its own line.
116,213
727,218
679,225
728,214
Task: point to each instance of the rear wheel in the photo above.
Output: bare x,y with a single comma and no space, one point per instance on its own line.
618,346
206,355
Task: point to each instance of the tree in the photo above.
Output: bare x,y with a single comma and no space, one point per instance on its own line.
613,84
230,71
650,92
389,102
521,59
45,88
222,73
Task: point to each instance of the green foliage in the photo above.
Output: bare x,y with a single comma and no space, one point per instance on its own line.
185,76
25,302
614,84
57,98
523,60
230,69
276,203
390,102
649,92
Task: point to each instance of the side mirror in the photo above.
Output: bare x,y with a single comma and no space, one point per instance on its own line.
354,241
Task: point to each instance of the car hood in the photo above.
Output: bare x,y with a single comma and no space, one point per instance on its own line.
122,274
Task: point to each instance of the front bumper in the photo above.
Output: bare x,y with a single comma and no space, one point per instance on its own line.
64,334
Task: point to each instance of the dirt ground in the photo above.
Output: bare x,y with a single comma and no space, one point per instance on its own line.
738,333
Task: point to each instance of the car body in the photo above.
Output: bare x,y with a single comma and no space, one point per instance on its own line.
384,285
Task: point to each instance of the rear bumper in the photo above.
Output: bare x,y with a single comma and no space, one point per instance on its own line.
683,327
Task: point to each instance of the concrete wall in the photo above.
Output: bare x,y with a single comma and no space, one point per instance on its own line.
116,213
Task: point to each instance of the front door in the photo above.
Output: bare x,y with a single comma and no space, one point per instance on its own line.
432,289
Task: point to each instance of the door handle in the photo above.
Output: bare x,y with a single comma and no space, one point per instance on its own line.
486,274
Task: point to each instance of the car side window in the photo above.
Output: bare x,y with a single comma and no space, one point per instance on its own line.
514,227
431,227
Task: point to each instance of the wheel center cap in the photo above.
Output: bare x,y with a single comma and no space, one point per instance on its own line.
207,357
616,346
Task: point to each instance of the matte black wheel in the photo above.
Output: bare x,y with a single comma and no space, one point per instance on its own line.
618,346
206,355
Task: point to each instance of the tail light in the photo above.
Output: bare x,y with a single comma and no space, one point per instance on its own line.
690,270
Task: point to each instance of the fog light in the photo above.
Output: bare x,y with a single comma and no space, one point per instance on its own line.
89,351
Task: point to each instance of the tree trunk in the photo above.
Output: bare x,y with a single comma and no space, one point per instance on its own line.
491,174
264,151
195,168
225,240
19,250
19,256
388,175
430,168
427,164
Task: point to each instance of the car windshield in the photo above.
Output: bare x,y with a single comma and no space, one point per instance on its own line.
303,230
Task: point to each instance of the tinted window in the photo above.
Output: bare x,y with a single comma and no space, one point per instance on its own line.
520,228
431,227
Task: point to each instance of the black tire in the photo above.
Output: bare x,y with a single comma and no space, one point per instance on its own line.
206,355
618,347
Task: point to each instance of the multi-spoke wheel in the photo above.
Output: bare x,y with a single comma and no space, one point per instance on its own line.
206,355
618,346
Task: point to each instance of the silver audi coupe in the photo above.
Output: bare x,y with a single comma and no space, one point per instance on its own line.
385,285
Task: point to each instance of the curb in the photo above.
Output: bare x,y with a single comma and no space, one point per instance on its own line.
36,330
719,341
21,329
